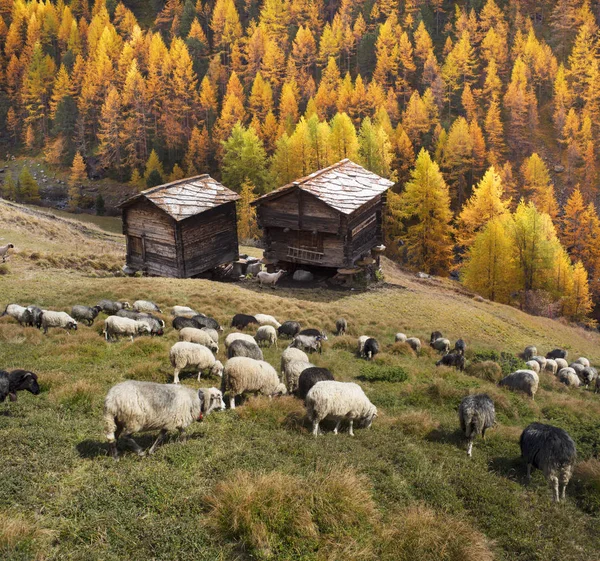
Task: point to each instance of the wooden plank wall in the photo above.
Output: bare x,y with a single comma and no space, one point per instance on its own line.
278,242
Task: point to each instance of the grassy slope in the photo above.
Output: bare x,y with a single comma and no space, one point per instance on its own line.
60,496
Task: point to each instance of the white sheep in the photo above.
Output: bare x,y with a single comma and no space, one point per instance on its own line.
264,319
551,366
584,361
57,319
266,333
233,336
533,365
4,251
146,306
292,372
414,343
17,312
541,360
242,374
441,345
291,354
183,311
193,335
134,406
338,401
400,338
115,326
213,333
361,344
524,380
561,363
568,377
269,278
185,355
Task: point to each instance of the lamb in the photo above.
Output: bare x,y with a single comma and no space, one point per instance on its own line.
400,338
341,325
185,355
269,279
241,321
291,354
193,335
292,373
529,353
264,319
204,321
19,380
476,414
523,380
146,306
533,365
115,326
57,319
244,348
435,336
551,450
371,348
181,321
338,401
568,377
588,375
312,332
460,347
242,374
4,251
307,343
442,345
110,307
583,360
85,314
551,366
557,353
414,343
541,361
20,313
309,378
183,311
289,329
242,336
266,333
453,359
213,333
561,363
36,316
134,406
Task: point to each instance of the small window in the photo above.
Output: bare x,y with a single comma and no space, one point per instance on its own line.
135,245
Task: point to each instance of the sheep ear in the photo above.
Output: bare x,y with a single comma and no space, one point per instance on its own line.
201,397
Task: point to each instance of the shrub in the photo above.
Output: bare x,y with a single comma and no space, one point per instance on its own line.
376,373
402,349
345,343
586,483
508,362
486,370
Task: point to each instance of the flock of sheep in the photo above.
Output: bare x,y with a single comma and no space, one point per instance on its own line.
135,406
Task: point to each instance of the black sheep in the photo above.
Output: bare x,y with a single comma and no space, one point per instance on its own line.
241,321
460,346
204,321
180,322
309,377
371,348
35,317
557,353
19,380
288,329
244,348
435,336
452,359
311,332
4,387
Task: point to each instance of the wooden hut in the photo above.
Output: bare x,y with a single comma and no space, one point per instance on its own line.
330,218
181,229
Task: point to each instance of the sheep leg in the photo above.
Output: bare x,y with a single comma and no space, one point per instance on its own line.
350,431
159,439
555,493
469,448
232,401
182,435
199,373
134,445
132,338
528,473
176,376
337,427
316,429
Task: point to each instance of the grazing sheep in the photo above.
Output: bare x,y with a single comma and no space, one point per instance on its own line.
204,321
191,355
360,346
36,316
435,336
115,326
184,311
244,348
578,367
307,343
193,335
57,319
338,401
583,360
526,381
4,387
551,366
341,325
241,336
400,338
292,373
291,354
241,321
460,347
85,314
242,374
266,334
453,359
4,251
19,380
270,279
529,353
588,375
20,313
414,343
441,345
309,378
476,414
312,332
541,361
533,365
155,324
289,329
557,353
561,363
264,319
371,348
551,450
180,322
110,307
569,377
146,306
213,333
134,406
597,388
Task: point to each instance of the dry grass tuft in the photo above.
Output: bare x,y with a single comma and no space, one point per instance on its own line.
19,535
401,349
4,269
419,533
417,422
442,390
277,410
487,370
345,343
589,471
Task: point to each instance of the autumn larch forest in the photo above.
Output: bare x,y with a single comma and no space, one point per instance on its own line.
485,114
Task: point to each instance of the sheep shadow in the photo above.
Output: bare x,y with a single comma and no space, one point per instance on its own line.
447,436
298,422
512,468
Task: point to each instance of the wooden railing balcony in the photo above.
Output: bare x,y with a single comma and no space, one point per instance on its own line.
305,254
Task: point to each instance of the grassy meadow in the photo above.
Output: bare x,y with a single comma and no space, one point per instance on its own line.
253,483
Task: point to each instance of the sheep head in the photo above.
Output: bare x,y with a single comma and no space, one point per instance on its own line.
217,369
280,389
